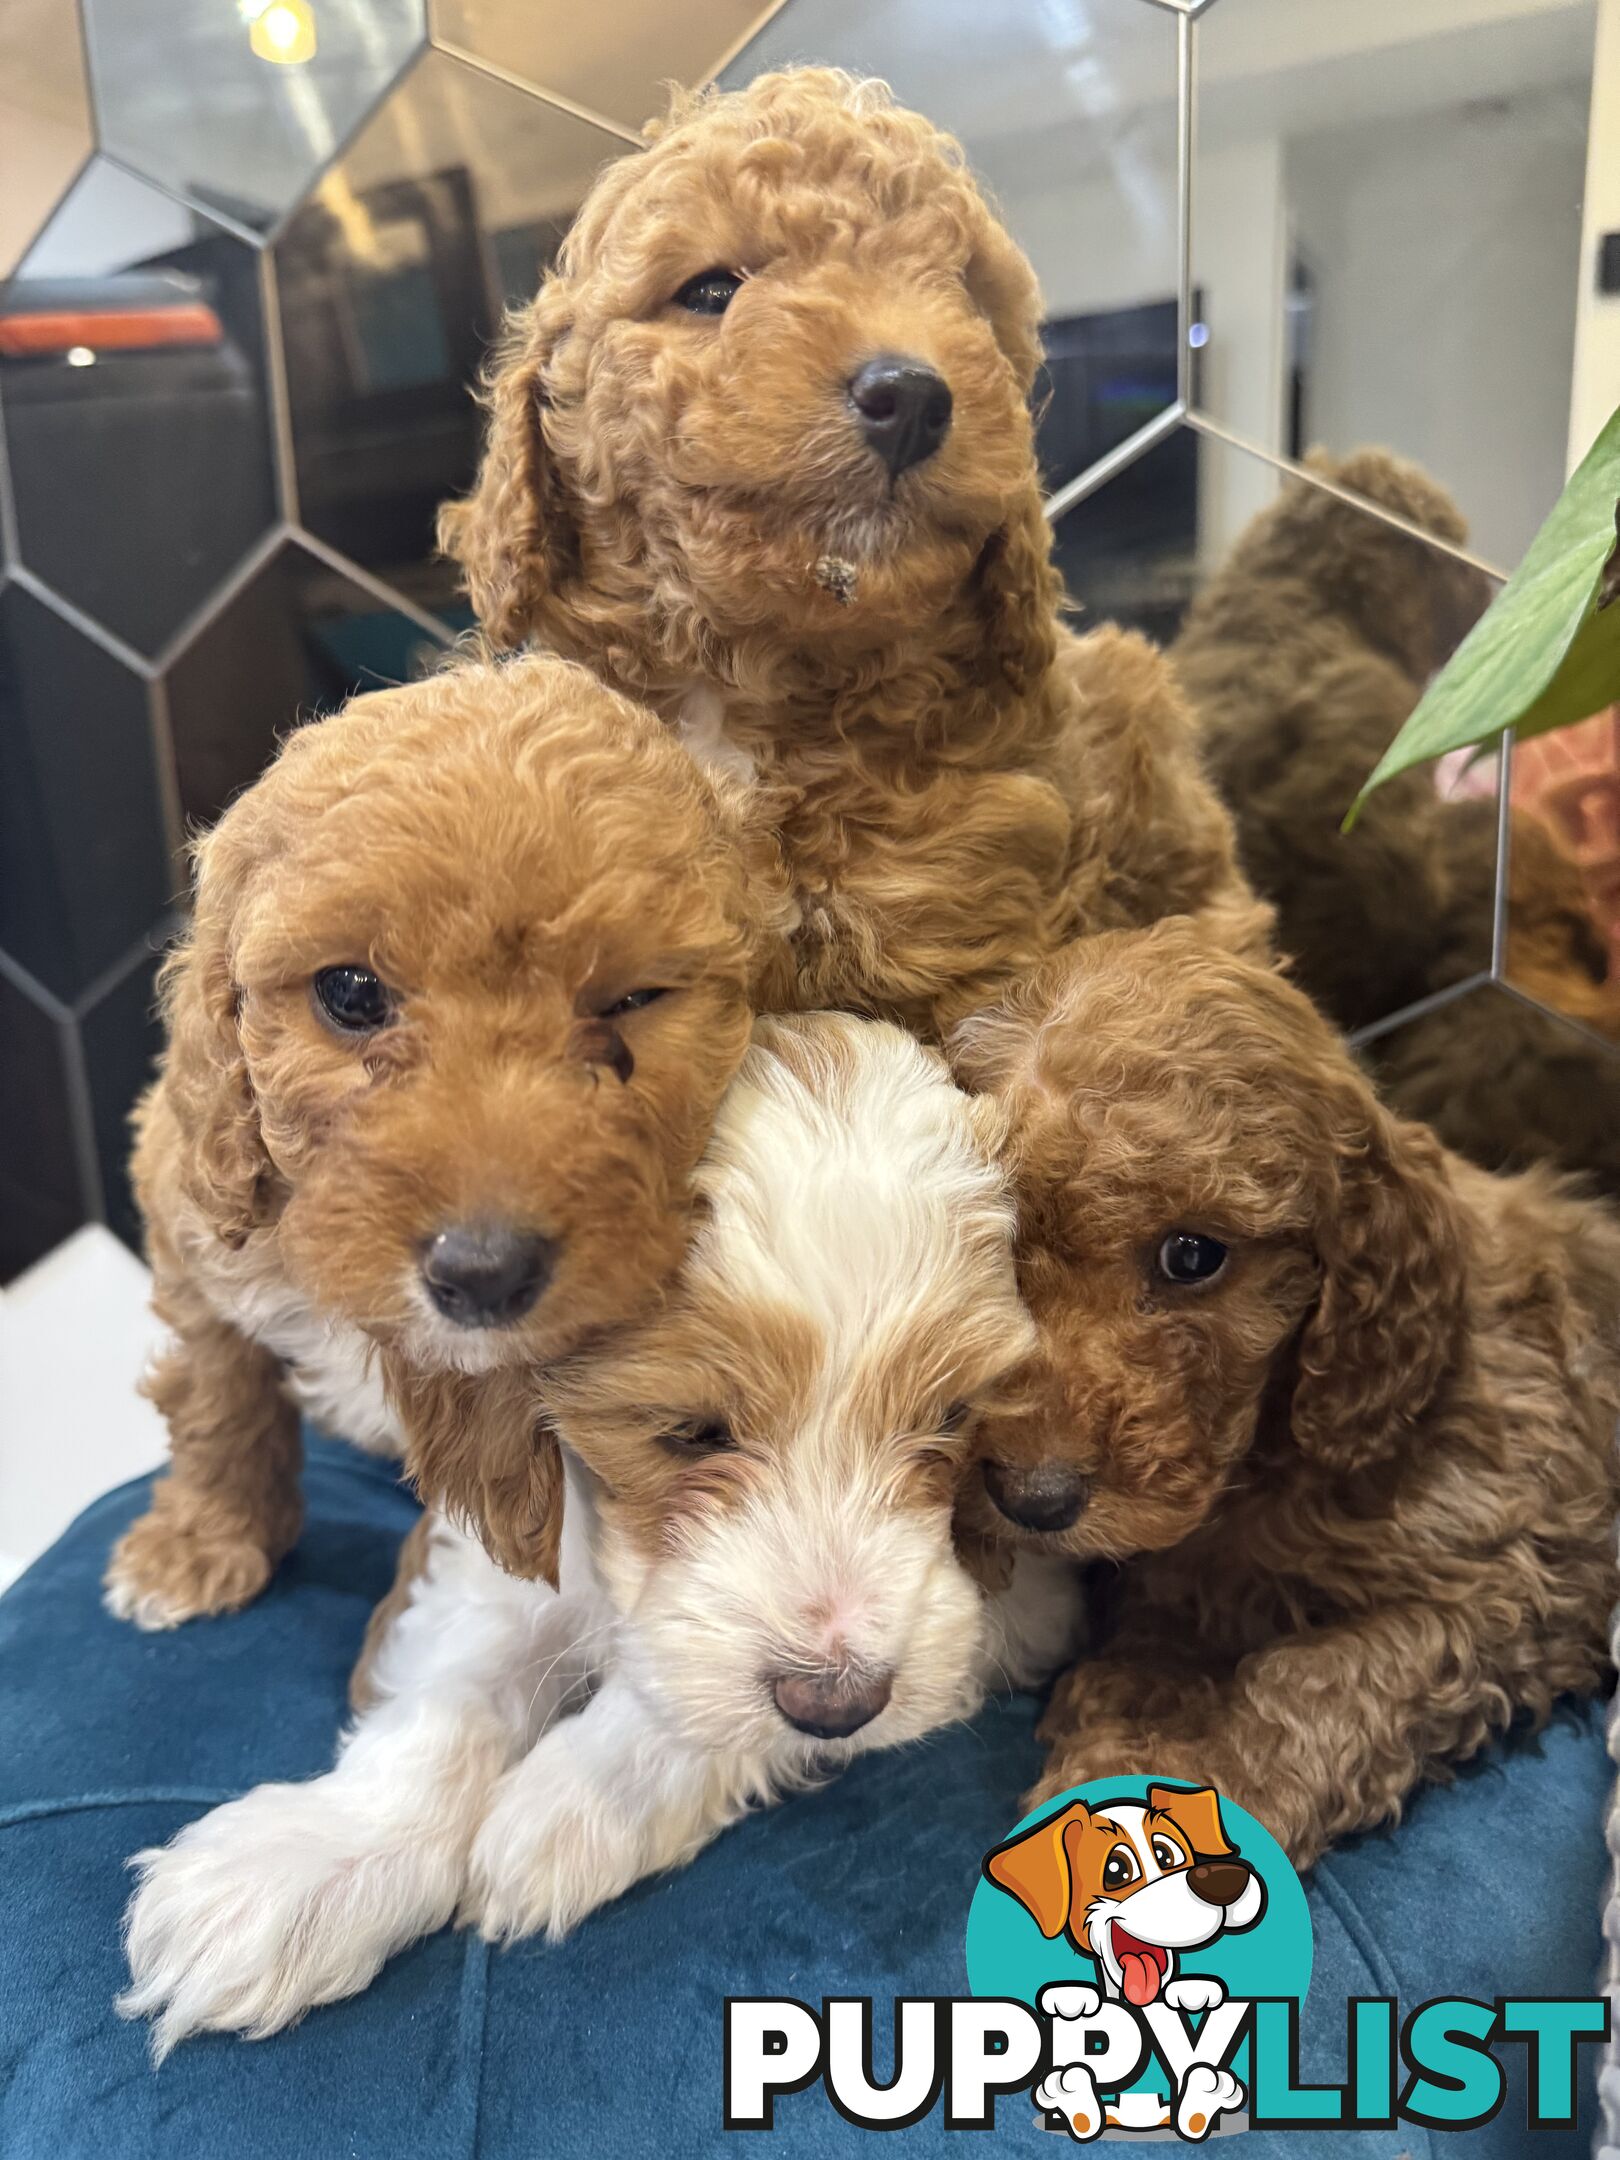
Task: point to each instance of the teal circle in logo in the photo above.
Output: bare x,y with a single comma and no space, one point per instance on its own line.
1010,1954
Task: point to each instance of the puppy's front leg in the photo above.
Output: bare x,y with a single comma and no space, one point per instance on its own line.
295,1894
603,1800
229,1506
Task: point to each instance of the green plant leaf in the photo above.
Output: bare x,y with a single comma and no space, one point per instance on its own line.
1547,650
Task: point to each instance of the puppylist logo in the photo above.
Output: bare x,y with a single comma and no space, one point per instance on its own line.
1138,1952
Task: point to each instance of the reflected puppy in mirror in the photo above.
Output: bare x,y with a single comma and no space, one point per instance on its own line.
468,971
758,1576
1343,1403
761,452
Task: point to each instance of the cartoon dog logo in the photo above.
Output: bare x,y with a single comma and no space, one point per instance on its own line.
1132,1885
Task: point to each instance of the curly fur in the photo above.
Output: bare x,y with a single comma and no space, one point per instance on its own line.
1303,656
944,763
511,848
1363,1479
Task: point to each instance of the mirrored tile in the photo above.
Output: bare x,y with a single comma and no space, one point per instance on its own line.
238,104
296,641
617,61
44,116
132,380
1304,630
1506,1084
1386,239
1562,933
122,1039
393,279
84,865
40,1197
1067,112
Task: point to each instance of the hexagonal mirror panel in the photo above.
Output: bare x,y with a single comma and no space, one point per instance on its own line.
1506,1084
393,280
617,61
122,1039
1304,630
298,639
1387,236
45,133
1068,116
132,381
1562,931
84,857
238,104
41,1199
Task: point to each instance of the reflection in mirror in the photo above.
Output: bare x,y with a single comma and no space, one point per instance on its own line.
1563,920
1364,170
132,384
44,116
393,278
1068,116
616,60
296,641
237,104
1506,1084
1304,630
84,860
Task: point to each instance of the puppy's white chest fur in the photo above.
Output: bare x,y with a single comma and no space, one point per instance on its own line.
333,1372
700,721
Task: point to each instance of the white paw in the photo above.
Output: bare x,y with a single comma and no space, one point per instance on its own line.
1072,2093
553,1847
1194,1993
1206,2094
291,1896
1069,2001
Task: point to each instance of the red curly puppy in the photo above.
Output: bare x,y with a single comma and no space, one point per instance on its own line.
469,970
760,452
1351,1400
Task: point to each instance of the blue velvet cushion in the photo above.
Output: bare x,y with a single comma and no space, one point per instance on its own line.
610,2041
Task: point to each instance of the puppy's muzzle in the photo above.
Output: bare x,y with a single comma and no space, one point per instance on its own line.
833,1704
903,407
1045,1496
486,1275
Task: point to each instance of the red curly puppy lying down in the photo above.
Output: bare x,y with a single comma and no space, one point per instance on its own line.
760,453
1350,1400
469,969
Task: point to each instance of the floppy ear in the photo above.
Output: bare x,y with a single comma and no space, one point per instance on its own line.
1390,1311
478,1448
1197,1814
224,1168
514,537
1034,1868
1017,592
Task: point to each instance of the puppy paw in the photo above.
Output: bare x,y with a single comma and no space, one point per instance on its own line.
1072,2093
283,1899
161,1574
1206,2094
550,1850
1069,2000
1194,1993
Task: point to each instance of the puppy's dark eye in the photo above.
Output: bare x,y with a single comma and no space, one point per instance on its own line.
354,999
698,1436
1186,1257
710,293
1120,1868
954,1416
633,1001
1166,1854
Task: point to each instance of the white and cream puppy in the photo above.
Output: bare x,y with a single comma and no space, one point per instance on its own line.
757,1577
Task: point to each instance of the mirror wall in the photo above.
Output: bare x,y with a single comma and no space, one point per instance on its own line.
254,255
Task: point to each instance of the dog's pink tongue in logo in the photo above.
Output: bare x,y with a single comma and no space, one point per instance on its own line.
1141,1966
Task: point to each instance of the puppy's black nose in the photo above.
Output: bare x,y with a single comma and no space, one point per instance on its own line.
832,1705
486,1274
904,409
1045,1496
1218,1882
